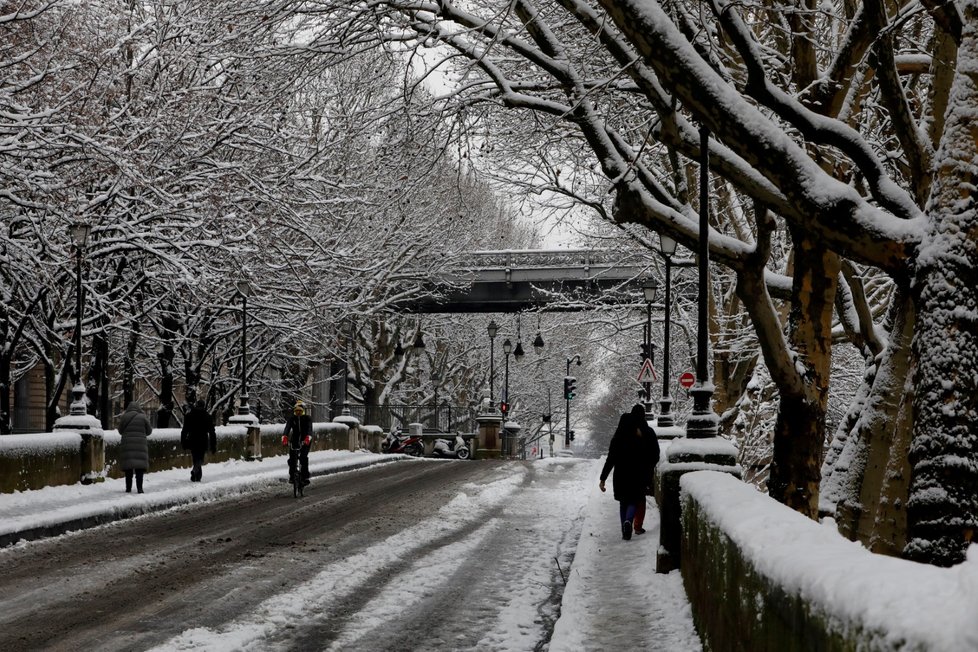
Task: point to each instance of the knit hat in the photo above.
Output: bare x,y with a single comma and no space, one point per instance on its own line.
299,408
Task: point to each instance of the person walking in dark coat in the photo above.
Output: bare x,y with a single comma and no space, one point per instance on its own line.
628,457
198,435
652,444
299,426
134,428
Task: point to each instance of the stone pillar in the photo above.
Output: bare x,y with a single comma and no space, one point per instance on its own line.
489,440
92,457
680,456
253,447
92,449
353,425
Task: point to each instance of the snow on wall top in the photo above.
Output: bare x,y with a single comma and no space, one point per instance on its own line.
905,604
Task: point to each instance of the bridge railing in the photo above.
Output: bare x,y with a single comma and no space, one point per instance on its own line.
536,258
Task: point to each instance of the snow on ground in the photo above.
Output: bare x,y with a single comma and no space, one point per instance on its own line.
613,599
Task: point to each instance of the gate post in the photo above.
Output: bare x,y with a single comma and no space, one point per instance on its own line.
489,441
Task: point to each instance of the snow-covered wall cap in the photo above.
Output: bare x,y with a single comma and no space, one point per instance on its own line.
705,446
318,428
904,605
79,422
371,430
350,421
39,443
244,419
668,432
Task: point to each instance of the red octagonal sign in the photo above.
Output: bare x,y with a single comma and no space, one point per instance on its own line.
687,380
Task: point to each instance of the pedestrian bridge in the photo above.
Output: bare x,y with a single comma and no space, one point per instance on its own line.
514,280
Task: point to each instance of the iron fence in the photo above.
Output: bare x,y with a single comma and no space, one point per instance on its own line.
444,418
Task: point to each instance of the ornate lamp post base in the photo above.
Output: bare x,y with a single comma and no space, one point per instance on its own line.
665,413
700,450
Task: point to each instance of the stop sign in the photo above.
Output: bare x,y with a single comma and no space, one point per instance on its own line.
687,380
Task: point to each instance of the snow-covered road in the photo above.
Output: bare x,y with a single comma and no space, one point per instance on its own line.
415,555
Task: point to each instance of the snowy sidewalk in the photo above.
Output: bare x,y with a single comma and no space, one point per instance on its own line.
614,599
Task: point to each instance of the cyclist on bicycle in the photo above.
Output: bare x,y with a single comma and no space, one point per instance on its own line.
298,435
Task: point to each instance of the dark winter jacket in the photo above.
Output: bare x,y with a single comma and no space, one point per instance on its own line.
630,455
198,433
134,428
650,439
298,425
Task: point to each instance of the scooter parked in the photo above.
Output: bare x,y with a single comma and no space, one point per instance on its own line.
456,449
395,442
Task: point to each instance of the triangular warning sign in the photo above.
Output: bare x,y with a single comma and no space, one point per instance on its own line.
647,374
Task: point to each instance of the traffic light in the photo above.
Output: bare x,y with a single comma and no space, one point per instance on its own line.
572,435
645,351
504,408
570,387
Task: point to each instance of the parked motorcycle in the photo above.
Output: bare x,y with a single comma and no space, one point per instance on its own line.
395,442
456,448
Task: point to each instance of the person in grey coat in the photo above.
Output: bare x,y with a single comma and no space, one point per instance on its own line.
134,449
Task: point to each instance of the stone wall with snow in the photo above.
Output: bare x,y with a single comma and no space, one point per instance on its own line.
763,577
34,461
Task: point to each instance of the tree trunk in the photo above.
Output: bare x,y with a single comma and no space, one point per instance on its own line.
865,497
942,511
100,364
129,367
799,433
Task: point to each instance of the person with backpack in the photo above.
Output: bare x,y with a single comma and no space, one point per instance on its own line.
197,436
299,426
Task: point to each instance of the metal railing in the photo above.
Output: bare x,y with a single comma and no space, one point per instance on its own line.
444,418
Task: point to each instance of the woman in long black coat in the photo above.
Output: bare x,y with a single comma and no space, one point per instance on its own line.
628,456
134,449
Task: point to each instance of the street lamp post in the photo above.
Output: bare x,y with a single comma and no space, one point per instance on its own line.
79,234
244,289
492,329
507,349
667,247
649,289
702,422
435,380
577,359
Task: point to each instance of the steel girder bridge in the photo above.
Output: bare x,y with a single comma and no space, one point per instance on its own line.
557,280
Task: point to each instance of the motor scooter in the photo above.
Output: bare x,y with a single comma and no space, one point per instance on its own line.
395,442
456,449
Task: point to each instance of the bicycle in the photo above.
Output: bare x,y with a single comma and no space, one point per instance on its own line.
295,476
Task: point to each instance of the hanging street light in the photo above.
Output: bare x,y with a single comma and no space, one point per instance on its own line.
538,343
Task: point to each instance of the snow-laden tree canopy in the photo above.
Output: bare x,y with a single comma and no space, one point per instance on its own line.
844,130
